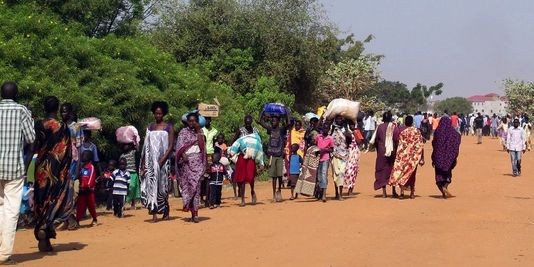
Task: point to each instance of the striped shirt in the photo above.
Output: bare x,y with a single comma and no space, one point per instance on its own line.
130,161
16,129
121,179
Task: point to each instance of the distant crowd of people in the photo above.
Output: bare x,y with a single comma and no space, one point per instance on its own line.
54,159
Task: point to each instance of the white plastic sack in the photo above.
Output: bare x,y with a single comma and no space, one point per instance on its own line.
346,108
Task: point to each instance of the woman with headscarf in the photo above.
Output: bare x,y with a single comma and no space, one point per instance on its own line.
410,153
155,165
446,147
54,188
386,144
191,164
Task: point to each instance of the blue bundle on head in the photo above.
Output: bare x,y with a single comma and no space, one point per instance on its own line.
201,119
275,109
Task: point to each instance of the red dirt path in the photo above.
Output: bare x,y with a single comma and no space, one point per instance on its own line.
489,223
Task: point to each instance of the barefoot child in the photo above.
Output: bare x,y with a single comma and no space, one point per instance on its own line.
223,146
106,181
121,179
86,197
217,173
295,163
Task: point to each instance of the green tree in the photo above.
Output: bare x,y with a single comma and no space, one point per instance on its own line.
351,78
459,105
112,78
102,17
240,41
393,94
520,96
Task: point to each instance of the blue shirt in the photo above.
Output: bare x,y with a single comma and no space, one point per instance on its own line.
294,164
92,148
418,119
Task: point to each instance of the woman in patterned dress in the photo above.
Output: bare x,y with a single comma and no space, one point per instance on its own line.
191,164
155,165
54,189
410,153
353,160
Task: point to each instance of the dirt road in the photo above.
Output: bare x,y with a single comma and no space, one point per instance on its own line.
489,223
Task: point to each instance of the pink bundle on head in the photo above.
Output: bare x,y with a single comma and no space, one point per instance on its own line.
91,123
128,135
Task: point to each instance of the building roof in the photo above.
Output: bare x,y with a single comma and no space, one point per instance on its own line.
488,97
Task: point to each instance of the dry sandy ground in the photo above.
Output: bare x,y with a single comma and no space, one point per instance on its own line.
489,223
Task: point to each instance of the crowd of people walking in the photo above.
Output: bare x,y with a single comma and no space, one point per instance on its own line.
305,155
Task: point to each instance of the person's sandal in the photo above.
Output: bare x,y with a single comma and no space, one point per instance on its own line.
9,261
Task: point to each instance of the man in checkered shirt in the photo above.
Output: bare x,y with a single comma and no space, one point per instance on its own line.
16,130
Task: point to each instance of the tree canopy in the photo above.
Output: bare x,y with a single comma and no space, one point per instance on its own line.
111,59
239,41
460,105
520,96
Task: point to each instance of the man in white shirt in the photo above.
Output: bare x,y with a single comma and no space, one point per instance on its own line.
369,126
516,145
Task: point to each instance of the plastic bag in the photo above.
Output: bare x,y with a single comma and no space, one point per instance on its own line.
128,135
91,123
278,109
346,108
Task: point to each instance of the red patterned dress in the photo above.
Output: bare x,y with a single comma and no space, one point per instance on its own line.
409,153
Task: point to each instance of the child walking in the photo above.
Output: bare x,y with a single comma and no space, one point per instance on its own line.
326,145
107,182
221,144
295,163
121,179
86,196
217,173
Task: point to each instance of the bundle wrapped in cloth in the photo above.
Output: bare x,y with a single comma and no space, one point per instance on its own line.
91,123
346,108
275,109
250,146
128,135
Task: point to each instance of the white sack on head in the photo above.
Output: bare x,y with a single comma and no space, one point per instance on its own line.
346,108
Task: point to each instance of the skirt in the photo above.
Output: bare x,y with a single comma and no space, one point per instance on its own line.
134,189
245,171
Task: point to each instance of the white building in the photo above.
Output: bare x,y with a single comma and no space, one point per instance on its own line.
489,104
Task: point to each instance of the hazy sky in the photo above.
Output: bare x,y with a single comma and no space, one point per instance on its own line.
470,45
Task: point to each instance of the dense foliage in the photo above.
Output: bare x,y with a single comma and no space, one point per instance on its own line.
112,78
460,105
520,96
239,41
111,59
397,96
